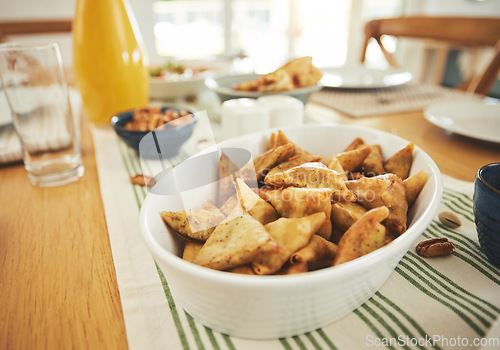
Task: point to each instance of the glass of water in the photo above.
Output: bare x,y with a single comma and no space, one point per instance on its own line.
32,78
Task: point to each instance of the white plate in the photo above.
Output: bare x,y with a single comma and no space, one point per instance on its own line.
360,77
476,119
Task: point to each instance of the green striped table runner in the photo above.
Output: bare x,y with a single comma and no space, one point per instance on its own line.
444,303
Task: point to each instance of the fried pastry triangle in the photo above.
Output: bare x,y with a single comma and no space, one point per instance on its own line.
363,237
313,175
334,164
292,202
317,249
400,163
344,214
282,139
194,224
383,190
293,162
236,241
414,184
254,205
271,158
374,162
291,234
226,185
353,159
191,248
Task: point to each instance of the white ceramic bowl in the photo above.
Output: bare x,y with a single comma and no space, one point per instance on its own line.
165,88
223,86
162,89
262,307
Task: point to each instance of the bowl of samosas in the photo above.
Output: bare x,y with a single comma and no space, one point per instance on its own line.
297,78
172,127
282,232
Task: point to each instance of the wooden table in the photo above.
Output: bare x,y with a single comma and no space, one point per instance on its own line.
455,155
58,285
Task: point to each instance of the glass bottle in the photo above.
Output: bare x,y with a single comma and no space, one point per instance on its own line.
108,59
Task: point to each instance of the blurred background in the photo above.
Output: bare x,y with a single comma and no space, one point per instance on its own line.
260,35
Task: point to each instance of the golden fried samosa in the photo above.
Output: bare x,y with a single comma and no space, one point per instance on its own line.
291,234
334,164
318,249
363,237
352,160
254,205
236,241
193,224
272,141
292,202
356,143
374,162
191,248
293,162
302,72
292,269
400,162
313,175
383,190
344,214
226,179
229,205
209,205
268,160
282,139
414,184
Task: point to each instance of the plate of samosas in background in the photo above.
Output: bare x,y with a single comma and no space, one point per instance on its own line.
297,78
294,236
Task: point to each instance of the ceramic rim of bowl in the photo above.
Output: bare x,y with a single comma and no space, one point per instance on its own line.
483,181
171,127
418,226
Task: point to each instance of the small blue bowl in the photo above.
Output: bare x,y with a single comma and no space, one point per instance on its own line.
486,206
164,143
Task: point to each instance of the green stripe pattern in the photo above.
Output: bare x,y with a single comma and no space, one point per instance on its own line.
380,316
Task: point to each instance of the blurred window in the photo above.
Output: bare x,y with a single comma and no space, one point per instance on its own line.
268,32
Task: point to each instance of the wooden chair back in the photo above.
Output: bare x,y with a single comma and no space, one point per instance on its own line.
470,32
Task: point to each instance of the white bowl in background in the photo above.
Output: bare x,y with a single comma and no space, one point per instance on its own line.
264,307
172,87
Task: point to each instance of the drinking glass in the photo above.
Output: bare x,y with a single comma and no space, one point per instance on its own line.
33,81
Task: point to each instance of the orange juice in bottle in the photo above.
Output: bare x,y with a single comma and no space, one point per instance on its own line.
108,59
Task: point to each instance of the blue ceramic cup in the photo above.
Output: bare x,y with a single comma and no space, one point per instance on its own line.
486,205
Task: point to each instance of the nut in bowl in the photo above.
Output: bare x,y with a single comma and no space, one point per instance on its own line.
273,306
172,127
